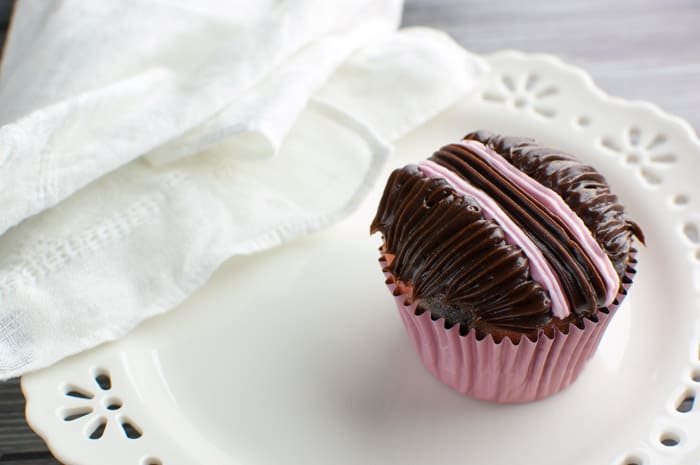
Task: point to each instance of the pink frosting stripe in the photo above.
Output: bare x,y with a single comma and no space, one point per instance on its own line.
540,268
559,207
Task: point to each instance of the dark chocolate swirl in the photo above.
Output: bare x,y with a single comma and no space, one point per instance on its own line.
582,187
456,262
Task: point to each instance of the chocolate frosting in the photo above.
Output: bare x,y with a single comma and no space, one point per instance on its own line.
581,186
580,279
456,263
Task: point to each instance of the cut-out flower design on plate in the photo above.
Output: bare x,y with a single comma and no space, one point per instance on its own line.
691,231
647,153
98,409
527,91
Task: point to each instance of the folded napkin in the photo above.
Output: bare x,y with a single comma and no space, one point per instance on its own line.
144,142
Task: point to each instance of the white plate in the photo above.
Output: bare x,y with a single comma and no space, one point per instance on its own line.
297,355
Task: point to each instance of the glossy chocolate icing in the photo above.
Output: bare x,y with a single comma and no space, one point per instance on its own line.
581,186
456,264
580,279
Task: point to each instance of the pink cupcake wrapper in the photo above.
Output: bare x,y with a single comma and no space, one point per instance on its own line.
502,371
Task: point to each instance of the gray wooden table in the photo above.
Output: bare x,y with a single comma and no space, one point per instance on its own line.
638,49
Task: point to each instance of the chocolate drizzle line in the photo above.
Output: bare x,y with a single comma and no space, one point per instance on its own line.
581,186
579,278
456,262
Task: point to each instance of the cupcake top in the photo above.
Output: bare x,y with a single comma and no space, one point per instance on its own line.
505,236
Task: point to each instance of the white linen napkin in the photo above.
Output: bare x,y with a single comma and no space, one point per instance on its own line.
143,143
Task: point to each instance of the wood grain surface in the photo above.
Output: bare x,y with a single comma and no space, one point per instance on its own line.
637,49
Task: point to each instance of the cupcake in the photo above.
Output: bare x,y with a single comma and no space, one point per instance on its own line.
507,261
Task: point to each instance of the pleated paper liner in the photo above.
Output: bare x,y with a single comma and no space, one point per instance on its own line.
503,371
